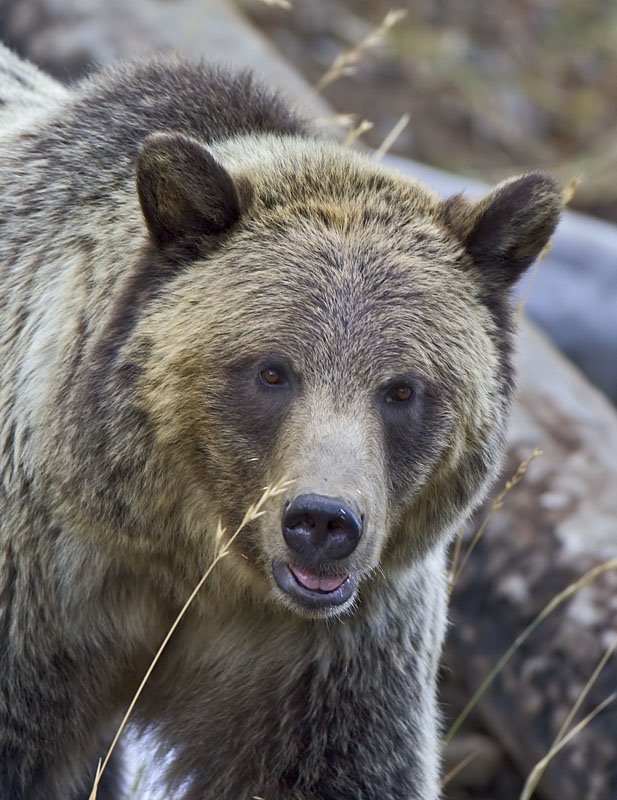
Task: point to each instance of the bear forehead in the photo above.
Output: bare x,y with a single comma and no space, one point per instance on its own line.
351,301
338,261
292,173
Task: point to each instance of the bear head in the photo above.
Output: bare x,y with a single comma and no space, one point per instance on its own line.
315,317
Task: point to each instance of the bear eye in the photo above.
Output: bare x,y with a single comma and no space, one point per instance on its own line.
400,394
271,376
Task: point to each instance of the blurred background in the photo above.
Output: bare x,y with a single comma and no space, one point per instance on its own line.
492,88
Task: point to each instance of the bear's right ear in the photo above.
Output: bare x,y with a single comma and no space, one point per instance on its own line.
183,190
505,231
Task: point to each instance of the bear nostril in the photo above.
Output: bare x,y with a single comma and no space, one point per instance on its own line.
321,528
305,521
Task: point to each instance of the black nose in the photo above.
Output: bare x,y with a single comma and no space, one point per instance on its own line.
321,528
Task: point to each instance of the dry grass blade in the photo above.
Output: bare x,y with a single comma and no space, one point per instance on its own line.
355,133
537,772
345,63
456,554
193,31
569,190
254,512
286,4
582,696
99,771
456,571
396,131
456,770
556,601
338,120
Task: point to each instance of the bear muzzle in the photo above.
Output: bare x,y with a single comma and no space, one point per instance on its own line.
319,531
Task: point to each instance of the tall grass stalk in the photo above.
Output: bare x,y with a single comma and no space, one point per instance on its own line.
582,696
537,772
254,512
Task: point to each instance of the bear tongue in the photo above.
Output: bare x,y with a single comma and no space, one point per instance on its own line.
315,582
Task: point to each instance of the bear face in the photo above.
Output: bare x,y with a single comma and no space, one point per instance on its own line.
327,322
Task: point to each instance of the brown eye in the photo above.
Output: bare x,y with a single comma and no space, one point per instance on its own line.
271,377
400,394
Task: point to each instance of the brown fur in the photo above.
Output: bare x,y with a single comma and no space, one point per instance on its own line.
146,280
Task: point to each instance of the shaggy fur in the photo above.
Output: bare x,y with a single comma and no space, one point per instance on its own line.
167,231
25,91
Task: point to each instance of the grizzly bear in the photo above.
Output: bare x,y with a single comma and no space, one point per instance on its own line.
200,297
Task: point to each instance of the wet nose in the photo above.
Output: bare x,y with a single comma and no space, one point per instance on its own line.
321,528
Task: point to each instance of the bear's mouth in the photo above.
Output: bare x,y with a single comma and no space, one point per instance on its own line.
311,589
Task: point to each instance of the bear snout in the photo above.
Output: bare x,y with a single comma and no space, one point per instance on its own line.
320,529
320,532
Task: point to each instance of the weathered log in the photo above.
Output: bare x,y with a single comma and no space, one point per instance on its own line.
557,523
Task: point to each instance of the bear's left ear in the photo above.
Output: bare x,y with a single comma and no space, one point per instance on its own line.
183,190
505,231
